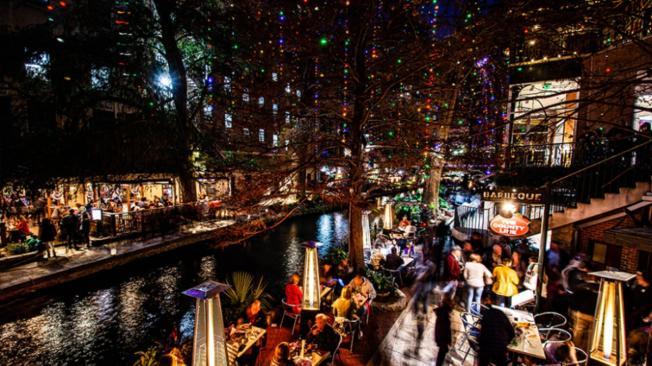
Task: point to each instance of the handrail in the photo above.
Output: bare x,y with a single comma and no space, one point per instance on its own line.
591,166
617,177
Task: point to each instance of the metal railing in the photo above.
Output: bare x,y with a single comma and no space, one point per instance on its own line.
548,155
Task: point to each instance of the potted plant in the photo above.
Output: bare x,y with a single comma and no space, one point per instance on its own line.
383,283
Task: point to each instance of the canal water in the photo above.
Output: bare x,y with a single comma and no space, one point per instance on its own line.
106,319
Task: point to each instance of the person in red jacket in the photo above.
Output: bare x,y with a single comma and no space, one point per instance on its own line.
452,271
293,293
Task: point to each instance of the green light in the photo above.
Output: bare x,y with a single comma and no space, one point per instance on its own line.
323,41
519,69
235,46
399,61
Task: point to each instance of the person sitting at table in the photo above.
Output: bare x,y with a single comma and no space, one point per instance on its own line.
506,282
404,223
282,355
326,275
393,260
560,353
344,271
254,315
343,306
496,332
293,293
362,291
323,335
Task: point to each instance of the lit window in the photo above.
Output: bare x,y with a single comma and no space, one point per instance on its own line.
245,95
261,101
274,108
246,132
228,120
36,65
261,135
275,140
287,117
274,76
227,83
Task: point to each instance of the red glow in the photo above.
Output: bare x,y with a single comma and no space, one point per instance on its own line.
63,4
50,7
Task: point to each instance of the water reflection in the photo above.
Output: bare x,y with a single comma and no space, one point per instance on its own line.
104,320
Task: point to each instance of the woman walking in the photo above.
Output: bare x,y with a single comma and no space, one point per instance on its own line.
506,283
476,276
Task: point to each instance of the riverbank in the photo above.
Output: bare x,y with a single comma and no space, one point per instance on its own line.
28,279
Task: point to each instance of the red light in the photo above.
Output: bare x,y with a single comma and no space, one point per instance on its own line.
62,4
608,70
50,7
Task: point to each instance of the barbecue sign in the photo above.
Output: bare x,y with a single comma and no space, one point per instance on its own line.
513,194
516,225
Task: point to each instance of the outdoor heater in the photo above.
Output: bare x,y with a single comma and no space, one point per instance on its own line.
366,232
388,218
607,344
209,343
311,287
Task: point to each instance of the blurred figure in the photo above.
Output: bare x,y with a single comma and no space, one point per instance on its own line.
282,355
393,260
293,293
452,271
505,283
443,330
496,332
476,276
47,234
493,259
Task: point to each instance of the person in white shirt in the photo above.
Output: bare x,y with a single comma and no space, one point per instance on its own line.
476,276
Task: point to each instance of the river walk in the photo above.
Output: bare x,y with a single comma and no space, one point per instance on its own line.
28,278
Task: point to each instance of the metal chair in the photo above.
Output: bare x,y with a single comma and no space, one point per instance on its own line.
335,353
352,328
582,358
550,319
288,310
395,273
554,335
470,323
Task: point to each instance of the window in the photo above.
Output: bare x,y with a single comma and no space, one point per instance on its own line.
261,135
246,132
36,65
245,95
274,76
274,108
228,120
287,117
275,140
261,101
227,83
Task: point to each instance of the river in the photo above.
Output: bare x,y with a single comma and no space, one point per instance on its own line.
105,319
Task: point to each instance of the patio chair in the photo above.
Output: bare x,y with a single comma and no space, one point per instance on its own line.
288,310
395,273
473,343
352,328
471,331
550,319
582,358
554,335
331,360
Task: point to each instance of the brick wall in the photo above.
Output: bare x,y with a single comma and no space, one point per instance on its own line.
595,232
629,259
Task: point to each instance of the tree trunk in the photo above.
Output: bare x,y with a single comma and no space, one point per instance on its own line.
187,187
431,191
356,250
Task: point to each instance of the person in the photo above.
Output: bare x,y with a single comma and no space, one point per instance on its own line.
344,271
493,258
443,332
505,282
476,276
254,315
452,271
323,335
293,293
362,292
582,306
404,223
393,260
343,306
496,332
560,353
639,299
86,226
69,225
532,275
282,355
47,233
573,273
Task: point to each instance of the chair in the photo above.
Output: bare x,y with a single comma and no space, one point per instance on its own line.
352,328
470,323
288,310
582,358
550,319
335,353
554,335
395,273
474,345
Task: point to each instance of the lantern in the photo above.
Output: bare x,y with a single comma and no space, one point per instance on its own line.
607,344
366,232
209,343
311,287
388,218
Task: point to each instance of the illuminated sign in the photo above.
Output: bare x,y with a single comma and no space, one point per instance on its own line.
517,225
513,195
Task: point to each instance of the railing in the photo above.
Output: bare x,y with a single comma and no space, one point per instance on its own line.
548,155
471,219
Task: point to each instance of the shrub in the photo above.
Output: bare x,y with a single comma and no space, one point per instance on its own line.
17,248
382,282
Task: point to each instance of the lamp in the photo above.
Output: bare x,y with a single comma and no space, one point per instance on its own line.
311,288
209,343
388,218
607,344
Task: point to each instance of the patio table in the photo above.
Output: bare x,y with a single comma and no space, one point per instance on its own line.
316,357
236,346
528,342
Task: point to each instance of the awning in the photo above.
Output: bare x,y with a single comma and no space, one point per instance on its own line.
636,237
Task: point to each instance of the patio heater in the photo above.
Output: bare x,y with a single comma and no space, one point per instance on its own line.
209,343
607,344
311,287
366,232
388,218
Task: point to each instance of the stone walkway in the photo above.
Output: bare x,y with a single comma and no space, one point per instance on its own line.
401,346
77,260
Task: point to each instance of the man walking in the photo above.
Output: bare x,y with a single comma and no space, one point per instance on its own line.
69,226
